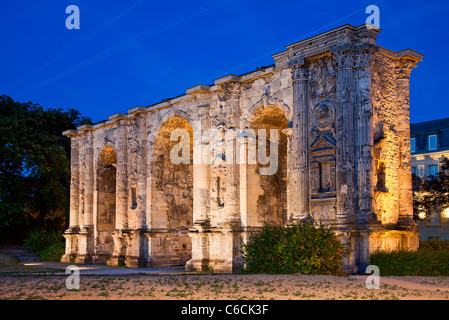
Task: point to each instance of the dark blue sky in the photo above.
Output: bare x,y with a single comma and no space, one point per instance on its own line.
137,52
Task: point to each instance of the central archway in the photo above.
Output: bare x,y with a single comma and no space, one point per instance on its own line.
172,199
106,204
269,191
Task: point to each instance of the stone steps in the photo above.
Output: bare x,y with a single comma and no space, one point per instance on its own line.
21,254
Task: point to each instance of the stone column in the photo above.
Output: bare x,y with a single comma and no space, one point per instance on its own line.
225,224
201,193
121,211
136,241
71,233
347,193
300,143
89,178
291,175
201,167
74,184
403,70
364,147
364,208
86,236
121,220
345,131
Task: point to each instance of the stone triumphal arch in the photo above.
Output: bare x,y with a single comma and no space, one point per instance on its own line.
337,106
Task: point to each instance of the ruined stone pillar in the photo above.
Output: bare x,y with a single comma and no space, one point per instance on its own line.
364,208
201,193
345,131
71,233
300,141
121,214
74,185
347,193
86,236
403,70
225,223
135,243
364,147
201,167
121,221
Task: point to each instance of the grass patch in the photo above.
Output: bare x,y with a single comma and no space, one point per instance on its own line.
431,259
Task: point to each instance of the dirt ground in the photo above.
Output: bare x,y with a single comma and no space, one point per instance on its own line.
221,287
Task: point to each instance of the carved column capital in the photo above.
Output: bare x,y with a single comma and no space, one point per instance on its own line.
403,68
354,55
364,54
300,71
344,56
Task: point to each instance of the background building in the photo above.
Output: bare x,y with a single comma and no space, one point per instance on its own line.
429,144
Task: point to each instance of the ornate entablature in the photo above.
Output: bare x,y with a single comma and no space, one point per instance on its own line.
334,110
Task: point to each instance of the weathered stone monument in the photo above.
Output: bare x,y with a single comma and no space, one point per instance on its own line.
337,106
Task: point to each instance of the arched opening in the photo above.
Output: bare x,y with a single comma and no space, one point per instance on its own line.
267,193
106,203
172,197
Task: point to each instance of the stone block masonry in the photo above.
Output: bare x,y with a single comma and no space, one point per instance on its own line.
340,105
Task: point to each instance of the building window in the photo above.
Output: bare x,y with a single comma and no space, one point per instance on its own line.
433,170
412,145
415,171
432,142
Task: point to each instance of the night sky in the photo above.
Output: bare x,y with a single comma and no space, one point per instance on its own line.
136,53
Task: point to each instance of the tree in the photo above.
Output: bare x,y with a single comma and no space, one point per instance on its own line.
431,194
34,166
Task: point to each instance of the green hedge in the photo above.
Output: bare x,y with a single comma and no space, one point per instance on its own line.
300,248
431,259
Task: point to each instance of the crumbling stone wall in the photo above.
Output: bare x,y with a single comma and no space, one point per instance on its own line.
172,198
268,193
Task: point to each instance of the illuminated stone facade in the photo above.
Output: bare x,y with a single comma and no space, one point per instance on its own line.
340,106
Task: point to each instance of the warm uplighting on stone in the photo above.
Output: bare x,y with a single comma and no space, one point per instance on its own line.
340,107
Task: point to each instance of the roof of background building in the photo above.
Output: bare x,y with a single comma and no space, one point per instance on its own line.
429,125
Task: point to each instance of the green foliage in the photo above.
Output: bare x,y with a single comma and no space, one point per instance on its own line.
431,259
431,194
53,253
300,248
38,240
34,166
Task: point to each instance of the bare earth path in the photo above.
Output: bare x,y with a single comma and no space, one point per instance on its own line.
221,287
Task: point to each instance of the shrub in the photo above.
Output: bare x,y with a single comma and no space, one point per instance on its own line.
427,261
300,248
39,240
53,253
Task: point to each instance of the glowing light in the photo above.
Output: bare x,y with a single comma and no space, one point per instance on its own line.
445,213
422,215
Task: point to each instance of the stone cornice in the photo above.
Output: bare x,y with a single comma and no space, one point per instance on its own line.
293,57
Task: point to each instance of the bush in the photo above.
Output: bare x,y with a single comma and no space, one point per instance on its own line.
53,252
48,242
427,261
300,248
